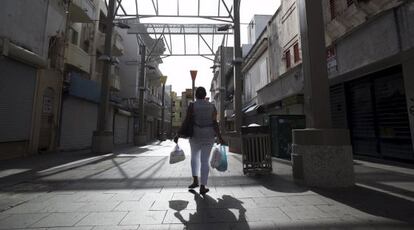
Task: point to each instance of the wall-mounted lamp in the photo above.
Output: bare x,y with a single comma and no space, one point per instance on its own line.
225,27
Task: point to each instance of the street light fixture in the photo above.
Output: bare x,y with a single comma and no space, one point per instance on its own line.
225,27
122,25
193,74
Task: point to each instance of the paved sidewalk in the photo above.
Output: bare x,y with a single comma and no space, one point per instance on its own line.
137,188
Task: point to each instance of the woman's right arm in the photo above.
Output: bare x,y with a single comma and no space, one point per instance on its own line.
187,116
216,126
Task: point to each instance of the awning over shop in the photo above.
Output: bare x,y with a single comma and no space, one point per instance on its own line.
253,109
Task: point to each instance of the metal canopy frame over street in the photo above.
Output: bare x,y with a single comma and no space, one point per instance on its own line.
224,18
175,37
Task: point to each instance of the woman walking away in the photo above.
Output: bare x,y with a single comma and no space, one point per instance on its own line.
203,114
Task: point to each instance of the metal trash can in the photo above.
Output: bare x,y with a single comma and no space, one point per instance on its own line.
256,150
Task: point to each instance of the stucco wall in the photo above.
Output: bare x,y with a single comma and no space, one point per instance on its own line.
405,16
283,34
16,24
256,77
256,27
129,66
372,42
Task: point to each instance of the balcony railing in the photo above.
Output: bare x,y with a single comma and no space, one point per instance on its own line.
82,11
84,88
114,80
117,47
152,99
78,58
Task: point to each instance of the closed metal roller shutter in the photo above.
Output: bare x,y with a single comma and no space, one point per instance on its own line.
131,130
121,129
17,87
362,118
79,119
338,106
378,115
392,117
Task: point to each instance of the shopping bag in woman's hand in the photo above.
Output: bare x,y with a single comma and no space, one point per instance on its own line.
223,159
215,156
176,155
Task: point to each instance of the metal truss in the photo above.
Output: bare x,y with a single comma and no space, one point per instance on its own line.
164,32
162,35
223,13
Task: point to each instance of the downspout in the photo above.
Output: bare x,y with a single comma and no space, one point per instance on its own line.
397,29
113,123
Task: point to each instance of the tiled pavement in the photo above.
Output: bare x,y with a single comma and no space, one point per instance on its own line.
136,188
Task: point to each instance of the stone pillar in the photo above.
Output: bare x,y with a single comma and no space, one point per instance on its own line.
102,139
325,157
321,156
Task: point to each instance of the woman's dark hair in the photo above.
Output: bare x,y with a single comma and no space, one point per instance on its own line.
201,93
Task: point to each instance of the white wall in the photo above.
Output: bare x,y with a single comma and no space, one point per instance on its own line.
288,32
256,27
56,22
283,34
129,65
256,77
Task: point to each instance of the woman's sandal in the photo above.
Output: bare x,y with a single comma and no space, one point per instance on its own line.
203,190
193,185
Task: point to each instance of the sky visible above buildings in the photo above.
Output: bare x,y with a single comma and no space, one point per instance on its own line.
178,68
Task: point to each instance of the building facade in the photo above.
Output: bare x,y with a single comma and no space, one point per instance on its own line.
51,70
370,62
30,75
221,88
176,112
83,71
369,50
272,69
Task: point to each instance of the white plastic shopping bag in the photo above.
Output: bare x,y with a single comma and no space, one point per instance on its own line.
222,167
219,158
176,155
215,157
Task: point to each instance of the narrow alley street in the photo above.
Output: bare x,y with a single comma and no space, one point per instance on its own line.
137,188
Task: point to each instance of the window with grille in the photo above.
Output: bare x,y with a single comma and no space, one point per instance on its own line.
296,54
288,58
332,8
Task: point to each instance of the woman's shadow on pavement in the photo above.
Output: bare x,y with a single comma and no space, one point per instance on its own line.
211,212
